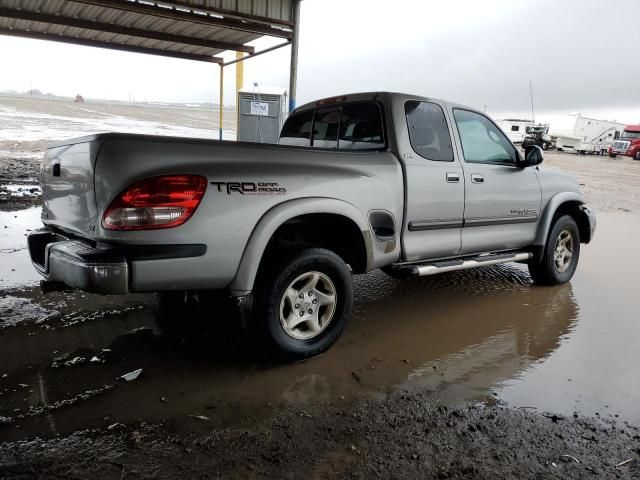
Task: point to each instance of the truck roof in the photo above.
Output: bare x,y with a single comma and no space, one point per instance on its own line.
632,128
369,96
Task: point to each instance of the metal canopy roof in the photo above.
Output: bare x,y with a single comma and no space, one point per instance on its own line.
188,29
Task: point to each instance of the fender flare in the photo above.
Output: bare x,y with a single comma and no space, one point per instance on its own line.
544,224
279,214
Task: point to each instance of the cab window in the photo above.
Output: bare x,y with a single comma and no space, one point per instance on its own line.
482,141
428,131
297,130
325,129
356,126
361,127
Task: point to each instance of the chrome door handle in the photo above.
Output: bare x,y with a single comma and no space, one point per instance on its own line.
477,178
453,177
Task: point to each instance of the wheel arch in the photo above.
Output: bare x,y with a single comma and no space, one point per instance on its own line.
565,203
305,211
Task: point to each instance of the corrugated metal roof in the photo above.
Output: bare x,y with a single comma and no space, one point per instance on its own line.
193,29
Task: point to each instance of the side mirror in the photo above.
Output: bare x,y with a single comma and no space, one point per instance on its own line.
532,156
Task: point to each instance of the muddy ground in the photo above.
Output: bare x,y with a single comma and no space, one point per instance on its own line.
473,374
406,436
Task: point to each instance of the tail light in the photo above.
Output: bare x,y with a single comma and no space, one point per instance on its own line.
156,202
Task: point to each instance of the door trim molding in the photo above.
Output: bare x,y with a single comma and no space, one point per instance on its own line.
420,225
483,222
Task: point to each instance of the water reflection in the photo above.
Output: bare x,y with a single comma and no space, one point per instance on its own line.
456,335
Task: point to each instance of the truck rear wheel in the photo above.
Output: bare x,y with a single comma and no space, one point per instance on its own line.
560,256
302,303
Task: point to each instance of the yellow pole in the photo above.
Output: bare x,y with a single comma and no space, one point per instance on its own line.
221,98
239,72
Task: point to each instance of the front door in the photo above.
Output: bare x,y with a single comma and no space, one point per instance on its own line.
502,200
434,182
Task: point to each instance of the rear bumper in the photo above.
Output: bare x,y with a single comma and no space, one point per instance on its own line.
78,264
103,269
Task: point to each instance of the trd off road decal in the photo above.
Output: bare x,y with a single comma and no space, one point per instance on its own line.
250,188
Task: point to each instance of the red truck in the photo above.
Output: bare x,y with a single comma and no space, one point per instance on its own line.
628,144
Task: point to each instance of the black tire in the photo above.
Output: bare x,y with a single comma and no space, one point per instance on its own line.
637,155
613,155
271,285
545,146
546,271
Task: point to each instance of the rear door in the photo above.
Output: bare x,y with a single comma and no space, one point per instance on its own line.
502,200
434,182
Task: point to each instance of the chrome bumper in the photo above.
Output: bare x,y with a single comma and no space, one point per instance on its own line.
591,216
78,264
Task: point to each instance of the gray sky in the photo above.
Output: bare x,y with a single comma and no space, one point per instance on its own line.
580,55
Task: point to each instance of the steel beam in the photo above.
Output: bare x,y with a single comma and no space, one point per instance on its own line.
293,71
112,28
153,9
266,50
113,46
232,14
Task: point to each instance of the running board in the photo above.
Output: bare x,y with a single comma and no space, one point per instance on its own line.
462,264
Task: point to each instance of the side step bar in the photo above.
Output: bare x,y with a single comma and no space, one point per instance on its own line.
462,264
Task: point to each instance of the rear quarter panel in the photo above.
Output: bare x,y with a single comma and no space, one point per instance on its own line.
225,219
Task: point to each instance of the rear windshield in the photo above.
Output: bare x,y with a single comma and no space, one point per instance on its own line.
297,129
356,126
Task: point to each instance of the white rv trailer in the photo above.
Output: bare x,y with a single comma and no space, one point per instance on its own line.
514,129
581,135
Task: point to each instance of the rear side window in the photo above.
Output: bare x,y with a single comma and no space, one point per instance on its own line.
428,131
297,130
325,129
361,127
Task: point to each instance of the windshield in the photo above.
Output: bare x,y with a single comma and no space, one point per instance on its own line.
537,129
628,134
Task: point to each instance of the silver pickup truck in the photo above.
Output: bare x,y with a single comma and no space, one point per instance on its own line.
413,185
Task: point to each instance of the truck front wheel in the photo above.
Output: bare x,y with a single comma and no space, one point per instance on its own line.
302,303
637,155
560,255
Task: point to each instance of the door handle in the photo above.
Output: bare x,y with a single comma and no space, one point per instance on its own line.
453,177
477,178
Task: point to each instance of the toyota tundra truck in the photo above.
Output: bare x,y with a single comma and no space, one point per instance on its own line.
413,185
628,144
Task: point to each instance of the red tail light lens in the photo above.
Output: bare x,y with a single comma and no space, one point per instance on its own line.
156,202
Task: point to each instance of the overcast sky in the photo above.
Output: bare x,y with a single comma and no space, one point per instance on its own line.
580,55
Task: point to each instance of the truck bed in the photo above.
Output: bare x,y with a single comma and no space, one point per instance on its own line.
82,176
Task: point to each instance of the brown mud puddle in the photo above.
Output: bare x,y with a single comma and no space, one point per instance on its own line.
486,335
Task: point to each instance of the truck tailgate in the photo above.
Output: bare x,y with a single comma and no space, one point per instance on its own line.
67,180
